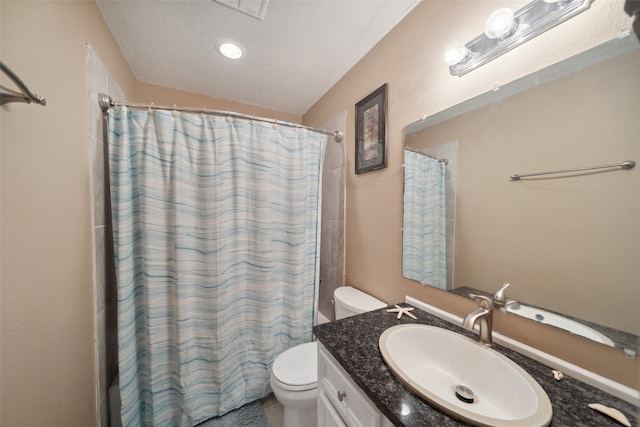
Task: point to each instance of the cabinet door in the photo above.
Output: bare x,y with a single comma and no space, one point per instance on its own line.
327,414
349,401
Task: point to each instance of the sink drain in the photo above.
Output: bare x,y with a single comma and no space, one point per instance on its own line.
465,394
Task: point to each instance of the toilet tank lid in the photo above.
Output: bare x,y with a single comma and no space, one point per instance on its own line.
357,300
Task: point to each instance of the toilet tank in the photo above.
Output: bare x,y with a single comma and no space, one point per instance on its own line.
350,301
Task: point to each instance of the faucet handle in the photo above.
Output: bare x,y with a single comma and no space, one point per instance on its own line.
510,304
499,298
483,301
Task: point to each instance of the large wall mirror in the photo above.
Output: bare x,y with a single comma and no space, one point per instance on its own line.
569,244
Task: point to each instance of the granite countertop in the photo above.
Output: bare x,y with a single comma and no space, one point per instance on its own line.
354,344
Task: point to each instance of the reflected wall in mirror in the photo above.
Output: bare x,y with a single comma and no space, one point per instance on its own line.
569,243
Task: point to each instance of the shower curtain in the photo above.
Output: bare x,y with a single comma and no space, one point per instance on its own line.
424,252
216,225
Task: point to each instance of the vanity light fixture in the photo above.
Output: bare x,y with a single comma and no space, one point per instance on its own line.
505,30
230,49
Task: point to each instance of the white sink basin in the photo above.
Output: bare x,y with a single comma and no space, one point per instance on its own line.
432,362
562,322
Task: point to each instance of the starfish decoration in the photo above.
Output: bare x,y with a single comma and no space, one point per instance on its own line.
401,311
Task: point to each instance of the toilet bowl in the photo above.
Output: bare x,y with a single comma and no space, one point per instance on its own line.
294,376
294,381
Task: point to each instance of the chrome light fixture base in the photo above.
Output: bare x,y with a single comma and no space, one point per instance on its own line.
533,19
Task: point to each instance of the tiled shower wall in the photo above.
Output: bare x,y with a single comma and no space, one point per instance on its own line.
332,230
105,296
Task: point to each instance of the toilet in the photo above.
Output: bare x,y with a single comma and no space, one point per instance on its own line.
294,376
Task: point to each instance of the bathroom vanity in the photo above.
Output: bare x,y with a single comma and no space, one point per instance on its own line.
355,387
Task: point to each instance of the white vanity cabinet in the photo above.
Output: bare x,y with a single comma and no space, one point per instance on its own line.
341,403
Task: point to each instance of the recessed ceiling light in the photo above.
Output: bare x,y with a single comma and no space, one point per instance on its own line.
230,49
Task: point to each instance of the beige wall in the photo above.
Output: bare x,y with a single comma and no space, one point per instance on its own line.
47,342
47,357
409,60
159,95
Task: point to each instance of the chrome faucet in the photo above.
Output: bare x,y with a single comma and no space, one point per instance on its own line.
483,315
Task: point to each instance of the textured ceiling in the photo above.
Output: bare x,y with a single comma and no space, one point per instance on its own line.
295,54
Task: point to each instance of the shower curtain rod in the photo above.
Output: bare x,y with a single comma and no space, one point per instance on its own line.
107,102
445,161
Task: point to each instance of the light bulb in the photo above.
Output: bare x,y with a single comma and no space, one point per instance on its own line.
455,53
500,23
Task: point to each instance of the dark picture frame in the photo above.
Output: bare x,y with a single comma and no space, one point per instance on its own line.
371,131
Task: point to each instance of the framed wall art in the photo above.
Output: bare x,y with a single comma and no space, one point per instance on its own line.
371,131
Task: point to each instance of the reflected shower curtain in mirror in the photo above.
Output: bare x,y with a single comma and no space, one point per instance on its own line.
216,225
424,252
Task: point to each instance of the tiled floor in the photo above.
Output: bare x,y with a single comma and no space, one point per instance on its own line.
273,410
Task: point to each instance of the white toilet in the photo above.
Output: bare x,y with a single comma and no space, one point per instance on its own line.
294,377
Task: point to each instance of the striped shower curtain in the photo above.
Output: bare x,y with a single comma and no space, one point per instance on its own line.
216,225
424,251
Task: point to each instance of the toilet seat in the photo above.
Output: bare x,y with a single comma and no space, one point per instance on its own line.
296,369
